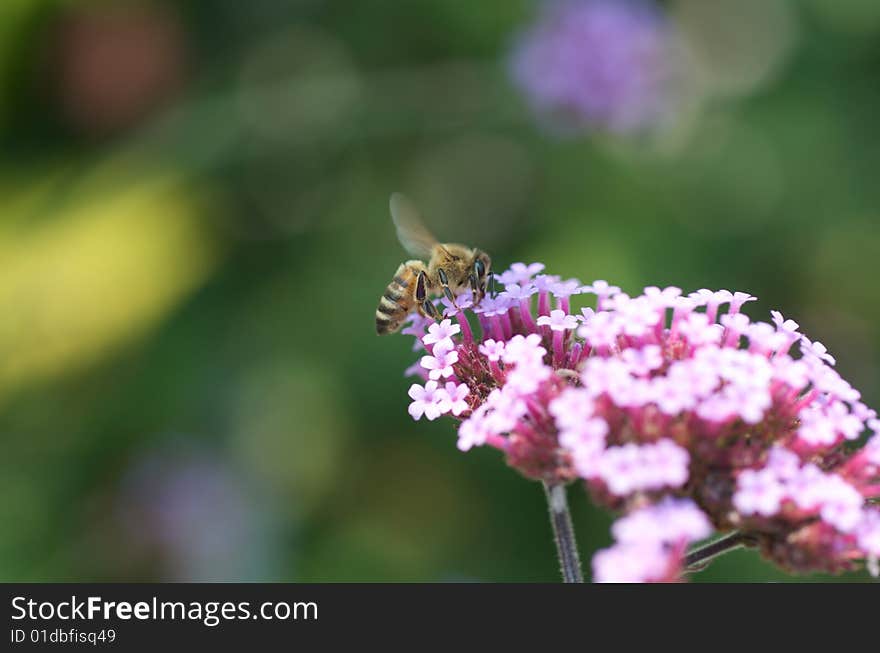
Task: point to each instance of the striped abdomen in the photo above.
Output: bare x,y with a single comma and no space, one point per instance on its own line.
399,298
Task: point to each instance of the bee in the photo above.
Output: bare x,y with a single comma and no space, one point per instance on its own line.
451,268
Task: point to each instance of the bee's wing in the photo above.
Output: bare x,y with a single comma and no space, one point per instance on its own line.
411,231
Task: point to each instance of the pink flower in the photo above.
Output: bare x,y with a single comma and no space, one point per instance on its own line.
515,292
668,522
809,489
415,369
643,361
427,401
699,330
440,364
660,396
602,330
440,332
789,327
670,396
650,543
868,533
545,282
740,298
520,273
633,563
736,324
602,289
455,396
558,321
816,349
416,327
665,298
473,433
712,300
524,350
463,300
493,350
567,288
759,492
872,450
572,407
631,468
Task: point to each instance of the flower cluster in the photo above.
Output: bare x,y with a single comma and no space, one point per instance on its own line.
596,63
651,542
676,410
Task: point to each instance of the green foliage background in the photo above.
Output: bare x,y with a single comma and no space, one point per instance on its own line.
190,383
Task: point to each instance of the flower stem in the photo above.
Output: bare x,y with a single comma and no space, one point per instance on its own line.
699,559
563,532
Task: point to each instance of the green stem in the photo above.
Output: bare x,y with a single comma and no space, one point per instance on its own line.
563,533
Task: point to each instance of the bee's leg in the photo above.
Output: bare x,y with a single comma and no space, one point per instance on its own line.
430,310
444,283
476,291
492,291
421,288
426,306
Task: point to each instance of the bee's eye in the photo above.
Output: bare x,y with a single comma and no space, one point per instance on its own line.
479,269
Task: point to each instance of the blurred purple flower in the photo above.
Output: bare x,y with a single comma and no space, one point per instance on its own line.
200,517
596,63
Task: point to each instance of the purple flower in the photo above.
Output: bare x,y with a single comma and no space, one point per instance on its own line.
194,515
659,398
597,63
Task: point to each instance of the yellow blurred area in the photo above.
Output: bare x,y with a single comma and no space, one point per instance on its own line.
82,275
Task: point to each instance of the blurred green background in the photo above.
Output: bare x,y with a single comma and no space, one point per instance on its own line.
194,234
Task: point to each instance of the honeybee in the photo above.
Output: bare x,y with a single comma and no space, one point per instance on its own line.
450,269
